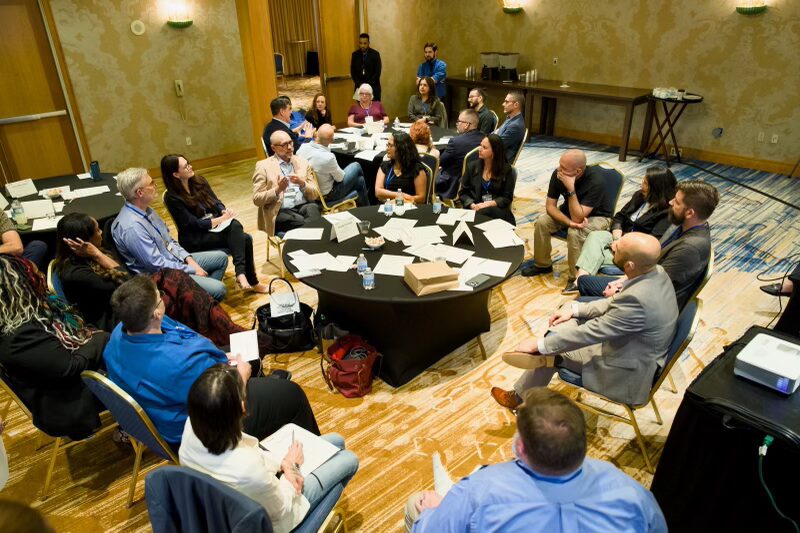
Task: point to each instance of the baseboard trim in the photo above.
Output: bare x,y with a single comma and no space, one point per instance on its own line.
777,167
214,160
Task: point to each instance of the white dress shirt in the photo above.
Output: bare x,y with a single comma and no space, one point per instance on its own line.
323,161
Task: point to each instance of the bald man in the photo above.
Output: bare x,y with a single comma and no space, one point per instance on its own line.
586,208
334,183
616,343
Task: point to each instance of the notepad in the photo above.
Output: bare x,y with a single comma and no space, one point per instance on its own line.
221,226
392,265
303,234
316,450
245,344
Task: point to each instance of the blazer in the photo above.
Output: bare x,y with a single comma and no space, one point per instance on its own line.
654,222
472,186
191,228
452,158
276,125
367,69
635,328
685,260
512,132
265,189
416,110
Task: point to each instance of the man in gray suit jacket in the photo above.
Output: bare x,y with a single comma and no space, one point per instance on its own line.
616,343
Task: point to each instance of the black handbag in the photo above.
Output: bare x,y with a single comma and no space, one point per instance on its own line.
292,332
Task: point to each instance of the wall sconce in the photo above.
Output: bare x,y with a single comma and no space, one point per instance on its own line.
178,15
512,6
751,7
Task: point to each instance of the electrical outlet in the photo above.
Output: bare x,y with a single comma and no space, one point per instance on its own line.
188,141
555,61
179,88
761,136
672,152
774,139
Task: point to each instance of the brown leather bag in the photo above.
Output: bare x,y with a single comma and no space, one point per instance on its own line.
350,361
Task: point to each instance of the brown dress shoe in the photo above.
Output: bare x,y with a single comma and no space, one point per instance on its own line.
506,398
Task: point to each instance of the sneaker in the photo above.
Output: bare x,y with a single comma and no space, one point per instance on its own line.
571,288
535,270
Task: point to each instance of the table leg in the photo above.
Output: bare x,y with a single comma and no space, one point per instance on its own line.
671,127
551,117
663,136
648,125
543,116
626,132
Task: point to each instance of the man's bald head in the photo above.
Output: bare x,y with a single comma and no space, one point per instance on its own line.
573,162
282,145
637,253
325,134
279,137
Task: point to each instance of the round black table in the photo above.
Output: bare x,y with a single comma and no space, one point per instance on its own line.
412,332
102,207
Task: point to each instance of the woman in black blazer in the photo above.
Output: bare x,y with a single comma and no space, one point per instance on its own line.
197,210
487,186
646,212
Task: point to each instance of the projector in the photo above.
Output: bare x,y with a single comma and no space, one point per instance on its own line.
770,361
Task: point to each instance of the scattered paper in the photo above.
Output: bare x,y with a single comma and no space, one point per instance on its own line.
503,239
367,155
462,232
21,189
496,224
423,235
442,141
303,234
342,263
222,226
453,254
319,261
3,202
352,130
38,208
392,265
297,253
481,265
342,230
453,215
45,223
337,146
423,251
403,223
85,176
245,344
316,450
341,216
85,192
58,206
392,234
44,193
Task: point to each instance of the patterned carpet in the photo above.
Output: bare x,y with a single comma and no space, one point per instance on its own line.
447,408
301,90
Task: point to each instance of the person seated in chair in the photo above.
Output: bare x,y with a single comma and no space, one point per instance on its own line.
403,174
281,109
512,131
420,134
425,105
616,344
366,107
550,485
685,245
156,359
10,243
452,159
487,122
488,184
213,443
284,188
44,347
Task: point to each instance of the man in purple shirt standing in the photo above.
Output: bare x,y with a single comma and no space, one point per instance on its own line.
145,244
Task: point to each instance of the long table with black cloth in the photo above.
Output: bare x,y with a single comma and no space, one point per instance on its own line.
412,332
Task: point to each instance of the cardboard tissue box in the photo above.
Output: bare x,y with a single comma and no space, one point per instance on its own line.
430,278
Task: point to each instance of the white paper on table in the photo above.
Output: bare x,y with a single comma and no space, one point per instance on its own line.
423,235
496,224
245,344
467,215
503,238
85,192
462,232
367,155
3,202
318,261
446,219
337,146
348,138
481,265
316,450
392,234
392,265
58,206
297,253
341,216
38,208
344,229
367,120
384,135
43,193
405,124
423,251
221,226
45,223
303,234
453,254
342,263
352,130
443,140
21,189
400,223
85,176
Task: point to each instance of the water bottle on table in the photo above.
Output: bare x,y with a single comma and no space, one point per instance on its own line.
437,205
368,279
361,264
399,198
387,208
18,214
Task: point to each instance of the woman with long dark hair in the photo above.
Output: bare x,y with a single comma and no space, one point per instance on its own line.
44,347
426,105
213,442
203,221
319,113
488,184
645,212
402,172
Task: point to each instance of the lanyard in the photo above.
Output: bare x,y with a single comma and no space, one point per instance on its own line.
678,233
485,185
367,110
389,177
425,107
144,216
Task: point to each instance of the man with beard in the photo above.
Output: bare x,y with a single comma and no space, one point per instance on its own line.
433,67
685,246
486,120
616,344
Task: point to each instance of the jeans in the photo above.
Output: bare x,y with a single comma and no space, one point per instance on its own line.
35,252
593,285
338,469
353,181
215,263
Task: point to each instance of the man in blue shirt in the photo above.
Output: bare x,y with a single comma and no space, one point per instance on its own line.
551,486
156,360
513,129
433,67
143,239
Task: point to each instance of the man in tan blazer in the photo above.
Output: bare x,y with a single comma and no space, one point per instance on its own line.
616,343
284,188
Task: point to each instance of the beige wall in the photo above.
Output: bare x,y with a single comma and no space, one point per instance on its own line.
746,67
124,83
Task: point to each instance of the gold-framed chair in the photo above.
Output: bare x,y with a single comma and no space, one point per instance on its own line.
132,420
469,157
54,281
521,146
432,162
496,121
686,327
344,204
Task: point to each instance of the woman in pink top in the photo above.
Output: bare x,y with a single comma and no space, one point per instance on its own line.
366,107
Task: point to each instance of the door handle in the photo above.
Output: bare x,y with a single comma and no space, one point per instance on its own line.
31,118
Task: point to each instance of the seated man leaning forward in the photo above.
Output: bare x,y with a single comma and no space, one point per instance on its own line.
334,183
284,188
145,244
586,208
550,486
617,344
156,359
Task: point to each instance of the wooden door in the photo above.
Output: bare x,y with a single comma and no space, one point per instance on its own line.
338,24
37,138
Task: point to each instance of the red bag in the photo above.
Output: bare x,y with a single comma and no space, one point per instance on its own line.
350,361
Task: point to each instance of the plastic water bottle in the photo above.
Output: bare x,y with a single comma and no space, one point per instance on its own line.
18,214
361,264
437,205
368,280
387,208
396,123
399,198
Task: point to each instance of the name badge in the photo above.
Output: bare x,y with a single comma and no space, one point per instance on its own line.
486,198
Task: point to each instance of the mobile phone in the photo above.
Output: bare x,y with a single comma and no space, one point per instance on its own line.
478,280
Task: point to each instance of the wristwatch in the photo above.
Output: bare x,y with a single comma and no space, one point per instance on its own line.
570,194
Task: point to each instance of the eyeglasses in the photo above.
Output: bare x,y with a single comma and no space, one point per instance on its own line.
463,122
287,144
